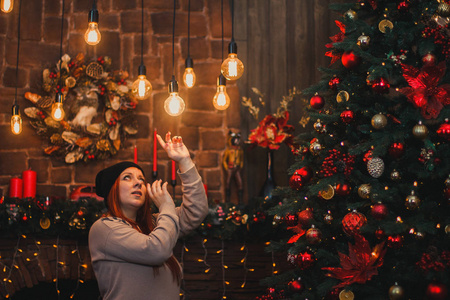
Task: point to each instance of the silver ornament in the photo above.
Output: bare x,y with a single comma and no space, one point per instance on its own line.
395,175
364,191
375,167
412,201
379,121
363,42
420,131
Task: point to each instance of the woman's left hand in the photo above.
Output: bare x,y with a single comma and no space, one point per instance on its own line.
177,151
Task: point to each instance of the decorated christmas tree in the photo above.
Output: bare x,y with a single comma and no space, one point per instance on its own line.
367,210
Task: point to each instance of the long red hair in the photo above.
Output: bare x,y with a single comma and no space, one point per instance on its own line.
144,223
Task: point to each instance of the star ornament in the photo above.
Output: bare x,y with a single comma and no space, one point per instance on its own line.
423,90
361,263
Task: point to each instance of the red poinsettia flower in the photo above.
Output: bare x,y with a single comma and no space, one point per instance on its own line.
361,263
423,90
339,37
272,132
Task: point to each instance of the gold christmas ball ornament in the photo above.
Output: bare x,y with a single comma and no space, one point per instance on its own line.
364,191
384,25
396,292
315,148
346,295
363,41
412,201
420,131
351,14
443,9
319,126
379,121
44,222
395,175
342,96
447,229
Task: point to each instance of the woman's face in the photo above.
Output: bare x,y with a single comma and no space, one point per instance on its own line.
132,189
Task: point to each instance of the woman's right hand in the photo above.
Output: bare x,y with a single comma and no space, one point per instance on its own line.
159,194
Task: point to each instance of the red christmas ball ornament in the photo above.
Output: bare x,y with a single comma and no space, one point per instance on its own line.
429,59
347,116
352,222
379,233
403,6
305,260
447,193
350,60
334,82
437,291
444,130
296,285
291,220
305,217
379,211
343,189
380,86
313,235
396,150
317,102
300,177
395,241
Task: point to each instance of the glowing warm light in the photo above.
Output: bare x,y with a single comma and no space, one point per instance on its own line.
7,5
141,88
232,67
174,104
92,35
221,100
189,77
16,124
58,111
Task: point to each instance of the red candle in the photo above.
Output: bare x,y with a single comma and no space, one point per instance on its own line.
155,152
15,187
173,171
29,183
135,154
206,189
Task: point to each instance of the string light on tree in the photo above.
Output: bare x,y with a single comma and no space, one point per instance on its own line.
92,35
7,5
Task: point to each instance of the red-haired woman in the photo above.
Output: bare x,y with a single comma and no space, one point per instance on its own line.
131,248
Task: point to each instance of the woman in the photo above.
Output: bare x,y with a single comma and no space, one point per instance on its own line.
131,248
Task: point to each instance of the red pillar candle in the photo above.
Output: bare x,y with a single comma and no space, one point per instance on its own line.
155,152
29,183
173,171
135,154
206,189
15,187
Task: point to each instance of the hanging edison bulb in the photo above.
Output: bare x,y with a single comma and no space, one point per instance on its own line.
57,108
174,104
7,5
16,120
221,99
141,87
232,67
92,35
189,77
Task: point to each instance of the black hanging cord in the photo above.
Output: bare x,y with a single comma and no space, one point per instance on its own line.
173,39
189,26
142,34
221,18
232,19
61,46
18,47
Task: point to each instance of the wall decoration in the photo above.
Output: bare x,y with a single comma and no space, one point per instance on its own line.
99,109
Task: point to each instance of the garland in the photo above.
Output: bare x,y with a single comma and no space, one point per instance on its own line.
99,109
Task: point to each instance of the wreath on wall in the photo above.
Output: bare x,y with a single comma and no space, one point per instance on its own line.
99,109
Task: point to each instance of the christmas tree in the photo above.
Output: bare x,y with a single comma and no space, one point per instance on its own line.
367,210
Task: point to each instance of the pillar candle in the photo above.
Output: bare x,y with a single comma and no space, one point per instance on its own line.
206,189
15,187
29,183
135,154
173,171
155,152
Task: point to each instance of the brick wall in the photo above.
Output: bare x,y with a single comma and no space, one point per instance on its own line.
203,128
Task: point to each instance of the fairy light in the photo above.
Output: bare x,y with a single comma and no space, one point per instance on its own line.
11,268
274,264
57,267
183,249
224,284
208,266
244,261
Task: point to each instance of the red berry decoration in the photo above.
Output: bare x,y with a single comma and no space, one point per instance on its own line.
296,285
347,116
343,189
334,82
379,233
350,60
444,130
395,241
305,260
403,6
313,235
380,86
291,220
396,150
352,222
305,217
379,211
437,291
317,102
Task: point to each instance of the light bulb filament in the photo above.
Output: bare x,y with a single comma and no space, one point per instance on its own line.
92,35
7,5
232,68
16,124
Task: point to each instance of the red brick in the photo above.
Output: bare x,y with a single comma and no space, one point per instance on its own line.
124,5
215,196
214,18
195,5
85,173
36,53
198,48
131,22
3,24
27,139
167,63
78,23
213,140
85,6
202,119
51,190
41,167
207,72
52,30
32,15
110,45
143,126
61,175
159,4
52,7
77,43
162,23
200,98
137,42
207,159
213,179
9,77
13,162
216,49
152,65
190,137
108,22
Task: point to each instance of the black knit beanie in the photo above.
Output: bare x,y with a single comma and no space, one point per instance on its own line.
105,178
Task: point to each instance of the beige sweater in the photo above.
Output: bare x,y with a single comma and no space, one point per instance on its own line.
122,258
